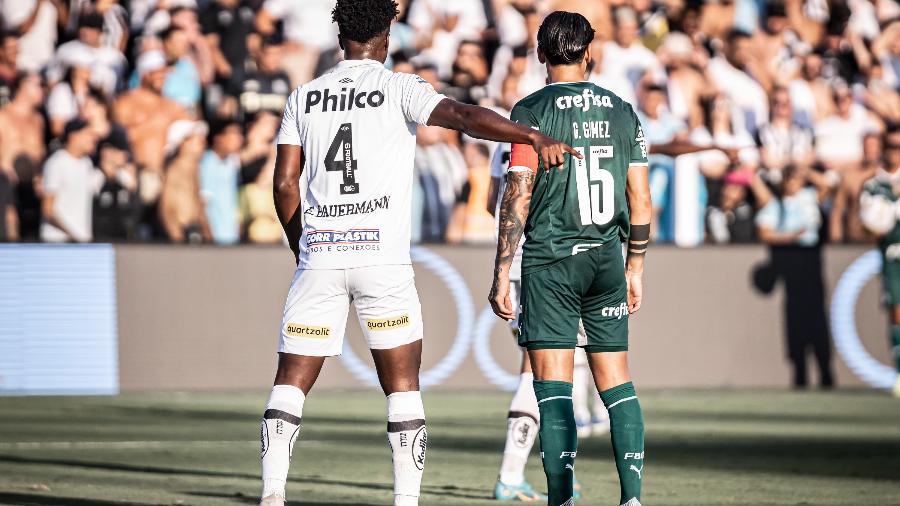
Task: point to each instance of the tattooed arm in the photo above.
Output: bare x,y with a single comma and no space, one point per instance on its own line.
513,213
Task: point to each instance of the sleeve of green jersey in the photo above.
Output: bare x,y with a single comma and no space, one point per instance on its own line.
523,115
639,142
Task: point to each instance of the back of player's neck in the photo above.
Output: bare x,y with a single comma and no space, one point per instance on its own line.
566,74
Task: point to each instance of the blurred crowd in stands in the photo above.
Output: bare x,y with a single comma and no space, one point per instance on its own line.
154,120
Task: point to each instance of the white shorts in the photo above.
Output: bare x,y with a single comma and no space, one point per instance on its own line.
315,313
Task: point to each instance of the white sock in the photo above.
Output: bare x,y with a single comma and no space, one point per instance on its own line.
521,431
278,431
581,381
408,439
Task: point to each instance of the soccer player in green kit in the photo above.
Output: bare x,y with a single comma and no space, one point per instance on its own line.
575,220
880,214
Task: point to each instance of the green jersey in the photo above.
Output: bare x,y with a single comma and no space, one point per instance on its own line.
878,203
583,205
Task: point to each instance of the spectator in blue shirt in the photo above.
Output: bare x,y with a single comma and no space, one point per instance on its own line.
183,83
219,171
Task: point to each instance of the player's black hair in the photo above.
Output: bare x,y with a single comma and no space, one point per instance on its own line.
564,37
363,20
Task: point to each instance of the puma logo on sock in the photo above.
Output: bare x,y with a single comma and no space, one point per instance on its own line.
569,466
638,471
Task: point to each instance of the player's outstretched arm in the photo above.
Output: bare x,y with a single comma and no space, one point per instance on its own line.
513,214
486,124
288,167
638,193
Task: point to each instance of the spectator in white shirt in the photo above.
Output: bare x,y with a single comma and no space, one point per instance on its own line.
69,184
625,55
730,73
107,63
839,137
441,25
37,21
307,29
67,96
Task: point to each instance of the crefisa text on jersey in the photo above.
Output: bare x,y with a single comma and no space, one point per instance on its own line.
584,101
344,101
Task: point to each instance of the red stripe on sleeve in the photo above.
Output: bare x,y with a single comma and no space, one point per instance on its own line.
523,155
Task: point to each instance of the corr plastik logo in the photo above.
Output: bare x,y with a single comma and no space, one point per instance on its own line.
390,323
583,101
300,330
354,236
615,311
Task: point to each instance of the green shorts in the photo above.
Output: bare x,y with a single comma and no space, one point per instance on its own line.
589,286
891,282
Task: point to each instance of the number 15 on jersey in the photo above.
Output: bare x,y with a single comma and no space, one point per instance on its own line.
596,195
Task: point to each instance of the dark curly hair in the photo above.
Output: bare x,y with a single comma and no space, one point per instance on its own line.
363,20
564,37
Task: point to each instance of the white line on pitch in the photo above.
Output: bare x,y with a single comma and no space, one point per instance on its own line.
123,445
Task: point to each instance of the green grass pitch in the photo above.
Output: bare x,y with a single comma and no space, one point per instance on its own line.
704,447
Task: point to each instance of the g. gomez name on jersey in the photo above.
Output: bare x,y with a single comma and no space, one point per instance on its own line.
356,125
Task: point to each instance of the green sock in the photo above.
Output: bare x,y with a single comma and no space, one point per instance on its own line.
559,440
627,431
895,341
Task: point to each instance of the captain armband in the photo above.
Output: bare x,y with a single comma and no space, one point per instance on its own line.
523,158
639,239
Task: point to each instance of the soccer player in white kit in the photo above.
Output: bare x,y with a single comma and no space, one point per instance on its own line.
353,132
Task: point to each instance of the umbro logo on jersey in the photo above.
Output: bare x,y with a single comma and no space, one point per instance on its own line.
346,80
344,101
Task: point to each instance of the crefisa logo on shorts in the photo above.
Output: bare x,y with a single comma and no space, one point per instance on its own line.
615,311
388,323
300,330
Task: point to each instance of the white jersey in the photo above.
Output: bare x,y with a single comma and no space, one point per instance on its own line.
357,127
499,167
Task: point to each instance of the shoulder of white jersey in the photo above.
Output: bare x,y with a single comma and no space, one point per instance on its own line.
500,159
405,79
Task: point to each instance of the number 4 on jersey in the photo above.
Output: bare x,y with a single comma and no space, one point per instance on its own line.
340,159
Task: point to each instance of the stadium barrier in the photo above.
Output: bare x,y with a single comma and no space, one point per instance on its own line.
202,318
